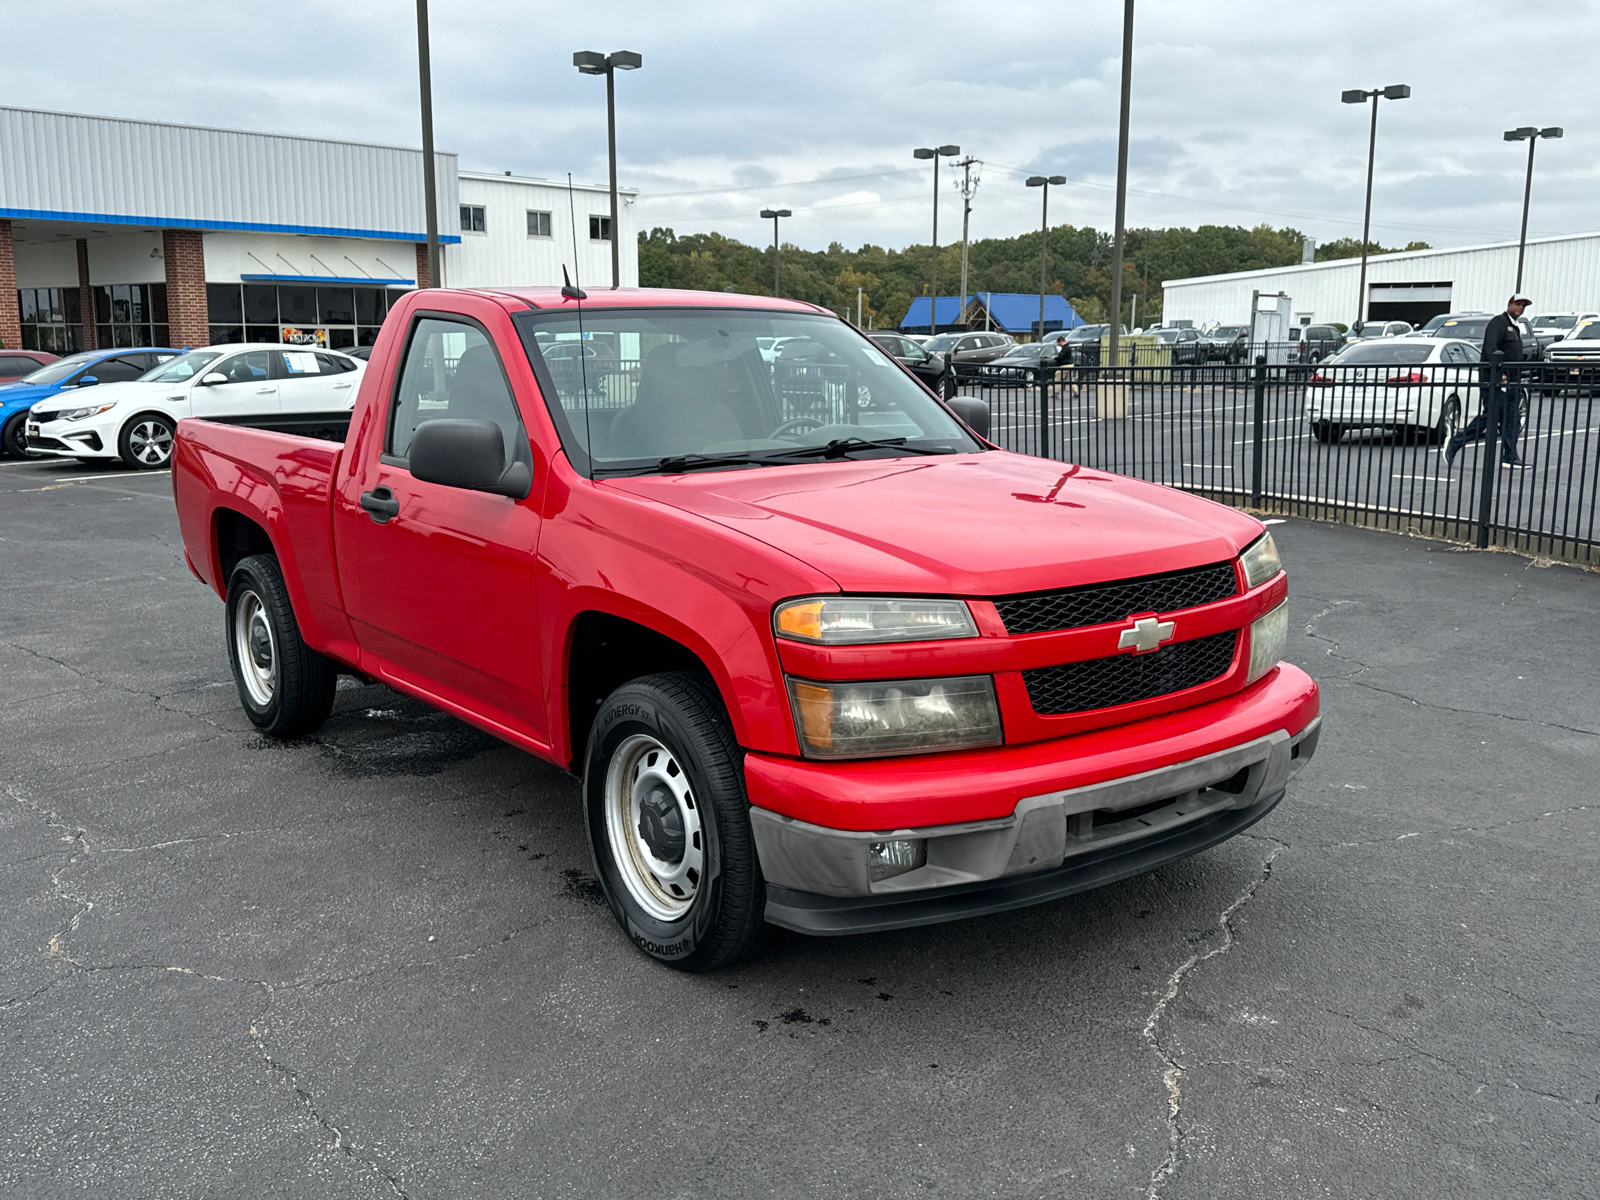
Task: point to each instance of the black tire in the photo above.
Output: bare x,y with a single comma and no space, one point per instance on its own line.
286,687
145,442
1327,431
673,727
14,439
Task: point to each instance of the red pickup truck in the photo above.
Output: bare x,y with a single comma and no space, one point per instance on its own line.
823,656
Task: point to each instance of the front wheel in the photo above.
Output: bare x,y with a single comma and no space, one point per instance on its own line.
146,441
14,439
285,686
669,823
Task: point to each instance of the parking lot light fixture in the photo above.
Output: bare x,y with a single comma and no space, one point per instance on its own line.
774,214
1395,91
591,62
1044,181
1527,133
935,153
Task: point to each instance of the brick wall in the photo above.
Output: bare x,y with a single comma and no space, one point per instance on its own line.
422,265
10,316
185,259
86,296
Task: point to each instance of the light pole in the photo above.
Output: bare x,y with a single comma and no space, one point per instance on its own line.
1530,135
935,153
430,198
1119,238
1044,181
774,214
1395,91
590,62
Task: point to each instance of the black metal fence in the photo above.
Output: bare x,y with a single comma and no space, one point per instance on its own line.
1361,444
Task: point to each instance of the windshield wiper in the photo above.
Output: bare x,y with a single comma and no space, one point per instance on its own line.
842,446
690,462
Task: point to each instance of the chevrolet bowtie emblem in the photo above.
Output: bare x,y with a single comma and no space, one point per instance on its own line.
1146,635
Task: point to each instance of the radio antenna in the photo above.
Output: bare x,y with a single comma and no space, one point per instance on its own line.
572,292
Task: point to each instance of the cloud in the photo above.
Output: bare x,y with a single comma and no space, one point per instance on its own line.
1236,116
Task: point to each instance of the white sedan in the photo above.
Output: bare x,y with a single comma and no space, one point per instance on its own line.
279,387
1422,386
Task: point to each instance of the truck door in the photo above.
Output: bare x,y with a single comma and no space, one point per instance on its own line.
439,581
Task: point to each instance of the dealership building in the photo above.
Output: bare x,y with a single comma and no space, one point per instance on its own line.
135,233
1560,274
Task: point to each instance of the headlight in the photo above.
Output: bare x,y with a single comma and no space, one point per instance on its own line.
907,716
1269,637
1261,561
79,414
858,620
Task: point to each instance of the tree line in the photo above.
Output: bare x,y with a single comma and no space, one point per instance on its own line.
1077,265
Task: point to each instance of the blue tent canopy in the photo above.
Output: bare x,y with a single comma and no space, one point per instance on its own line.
1014,312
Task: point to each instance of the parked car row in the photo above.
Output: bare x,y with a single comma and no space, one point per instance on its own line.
126,404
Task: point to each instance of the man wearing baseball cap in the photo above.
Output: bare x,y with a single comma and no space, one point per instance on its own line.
1503,336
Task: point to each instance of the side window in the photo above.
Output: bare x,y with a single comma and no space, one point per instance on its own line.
116,370
252,367
333,364
451,370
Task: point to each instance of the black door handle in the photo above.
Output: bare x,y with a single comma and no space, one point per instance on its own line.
380,504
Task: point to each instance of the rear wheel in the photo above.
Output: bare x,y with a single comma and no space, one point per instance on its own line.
1327,431
286,687
146,441
669,823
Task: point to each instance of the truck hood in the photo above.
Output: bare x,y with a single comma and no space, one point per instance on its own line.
986,524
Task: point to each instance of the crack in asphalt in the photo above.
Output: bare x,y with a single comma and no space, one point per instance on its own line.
1533,820
1172,1075
260,1030
155,698
1362,668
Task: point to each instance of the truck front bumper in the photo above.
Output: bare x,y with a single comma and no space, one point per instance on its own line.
1056,840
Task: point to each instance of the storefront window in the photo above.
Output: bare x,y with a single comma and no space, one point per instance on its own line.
51,319
339,318
130,314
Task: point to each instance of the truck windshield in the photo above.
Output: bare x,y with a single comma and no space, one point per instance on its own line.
663,384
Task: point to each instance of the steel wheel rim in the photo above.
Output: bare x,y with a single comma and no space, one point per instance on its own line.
254,639
644,778
150,442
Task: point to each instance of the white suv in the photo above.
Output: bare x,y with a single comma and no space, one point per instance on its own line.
279,387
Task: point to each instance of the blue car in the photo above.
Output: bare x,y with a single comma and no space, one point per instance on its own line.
87,369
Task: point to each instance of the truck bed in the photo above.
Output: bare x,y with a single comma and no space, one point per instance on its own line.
222,467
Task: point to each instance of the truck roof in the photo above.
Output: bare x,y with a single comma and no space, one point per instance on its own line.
605,297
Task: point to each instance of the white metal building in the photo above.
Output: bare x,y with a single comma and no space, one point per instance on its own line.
517,230
1559,274
137,233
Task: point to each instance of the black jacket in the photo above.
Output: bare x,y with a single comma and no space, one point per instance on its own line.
1503,335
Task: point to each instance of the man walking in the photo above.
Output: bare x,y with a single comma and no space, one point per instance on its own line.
1503,336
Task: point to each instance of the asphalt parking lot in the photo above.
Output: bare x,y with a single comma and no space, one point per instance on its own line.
374,963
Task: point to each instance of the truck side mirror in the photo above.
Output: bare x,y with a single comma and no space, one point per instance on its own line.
467,454
974,412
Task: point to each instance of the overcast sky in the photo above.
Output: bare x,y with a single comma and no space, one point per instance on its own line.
817,107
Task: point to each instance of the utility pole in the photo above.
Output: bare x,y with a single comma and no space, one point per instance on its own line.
969,188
